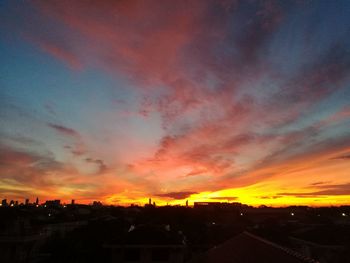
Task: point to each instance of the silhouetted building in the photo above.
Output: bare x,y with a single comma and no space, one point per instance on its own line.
53,203
249,248
96,203
26,202
72,202
149,243
205,204
37,201
4,202
19,248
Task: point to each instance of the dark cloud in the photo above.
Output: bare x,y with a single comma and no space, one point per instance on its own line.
257,28
177,195
341,189
27,167
77,150
342,157
64,130
269,197
101,165
318,79
320,183
228,198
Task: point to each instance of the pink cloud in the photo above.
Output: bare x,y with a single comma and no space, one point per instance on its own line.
61,54
342,114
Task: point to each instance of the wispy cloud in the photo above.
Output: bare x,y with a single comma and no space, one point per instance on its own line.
341,189
64,130
177,195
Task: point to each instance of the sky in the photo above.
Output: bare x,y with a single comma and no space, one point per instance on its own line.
226,101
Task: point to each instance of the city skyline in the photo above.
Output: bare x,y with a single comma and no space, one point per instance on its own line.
227,101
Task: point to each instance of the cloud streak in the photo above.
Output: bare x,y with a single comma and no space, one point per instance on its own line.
177,195
64,130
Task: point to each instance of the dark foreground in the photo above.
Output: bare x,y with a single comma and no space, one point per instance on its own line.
206,233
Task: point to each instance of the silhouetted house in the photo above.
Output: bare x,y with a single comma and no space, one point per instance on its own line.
4,202
325,253
18,248
61,229
216,205
17,238
150,205
206,204
248,248
96,203
327,243
53,203
149,243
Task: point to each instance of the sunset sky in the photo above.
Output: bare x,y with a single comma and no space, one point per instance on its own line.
119,101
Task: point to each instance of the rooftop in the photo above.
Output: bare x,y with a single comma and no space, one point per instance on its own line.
248,248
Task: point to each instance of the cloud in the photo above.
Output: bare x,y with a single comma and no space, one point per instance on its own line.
26,174
177,195
64,130
78,148
317,80
61,54
227,198
320,183
269,197
99,163
341,189
342,114
342,157
26,167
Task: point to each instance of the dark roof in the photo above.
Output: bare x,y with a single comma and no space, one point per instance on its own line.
248,248
152,234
